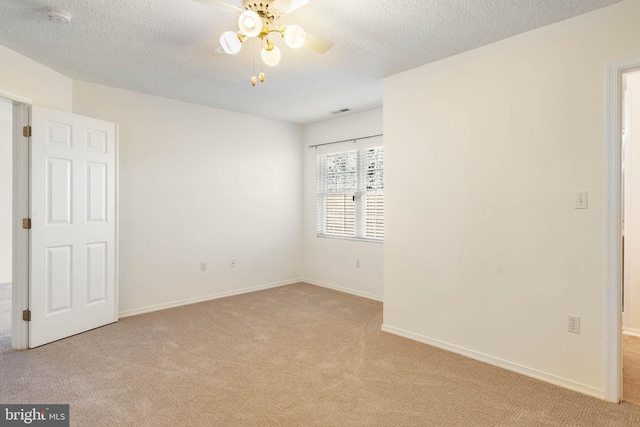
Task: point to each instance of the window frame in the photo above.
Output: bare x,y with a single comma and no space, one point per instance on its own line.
358,194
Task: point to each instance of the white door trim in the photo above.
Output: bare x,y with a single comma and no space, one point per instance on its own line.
613,227
20,250
117,238
11,97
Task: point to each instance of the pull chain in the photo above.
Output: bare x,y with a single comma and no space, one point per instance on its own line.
254,80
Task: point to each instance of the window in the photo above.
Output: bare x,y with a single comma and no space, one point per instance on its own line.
351,194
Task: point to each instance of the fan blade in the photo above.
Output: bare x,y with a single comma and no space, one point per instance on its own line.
317,43
222,5
287,6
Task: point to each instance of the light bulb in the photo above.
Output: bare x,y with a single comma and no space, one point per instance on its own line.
250,23
230,42
253,80
262,77
294,36
271,57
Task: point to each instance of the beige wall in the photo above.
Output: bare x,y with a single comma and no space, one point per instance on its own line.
25,80
332,262
199,184
484,252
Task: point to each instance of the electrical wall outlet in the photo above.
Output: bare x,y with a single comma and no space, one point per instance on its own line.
357,263
232,263
203,266
573,324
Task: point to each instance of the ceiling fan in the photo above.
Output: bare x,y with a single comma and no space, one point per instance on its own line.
259,19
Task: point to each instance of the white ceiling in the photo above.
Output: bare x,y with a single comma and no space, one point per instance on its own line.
166,47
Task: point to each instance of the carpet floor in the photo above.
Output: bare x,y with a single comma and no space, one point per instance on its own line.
5,317
297,355
631,366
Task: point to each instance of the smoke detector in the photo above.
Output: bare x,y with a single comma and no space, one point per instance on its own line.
59,16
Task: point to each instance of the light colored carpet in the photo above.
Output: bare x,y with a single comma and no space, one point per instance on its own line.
5,316
631,366
297,355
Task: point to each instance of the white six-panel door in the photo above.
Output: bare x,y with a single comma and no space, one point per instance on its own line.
73,225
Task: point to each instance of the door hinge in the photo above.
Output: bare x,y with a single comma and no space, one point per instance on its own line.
26,131
26,315
26,223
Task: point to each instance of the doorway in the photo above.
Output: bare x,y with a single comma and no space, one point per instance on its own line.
39,199
44,155
6,213
631,236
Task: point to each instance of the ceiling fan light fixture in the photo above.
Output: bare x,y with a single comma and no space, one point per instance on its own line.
294,36
271,56
230,42
250,23
259,19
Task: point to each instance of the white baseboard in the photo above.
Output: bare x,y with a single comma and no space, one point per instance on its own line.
345,290
188,301
630,331
501,363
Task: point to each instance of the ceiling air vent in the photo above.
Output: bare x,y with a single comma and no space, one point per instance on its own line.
344,110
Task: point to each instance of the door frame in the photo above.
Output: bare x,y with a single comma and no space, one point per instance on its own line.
613,226
20,201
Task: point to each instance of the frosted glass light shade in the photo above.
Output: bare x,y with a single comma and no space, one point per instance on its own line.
230,42
250,23
294,36
271,57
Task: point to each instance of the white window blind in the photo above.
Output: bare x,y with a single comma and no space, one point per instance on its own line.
351,194
374,192
340,214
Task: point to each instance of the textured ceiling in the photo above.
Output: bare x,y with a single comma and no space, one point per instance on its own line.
167,47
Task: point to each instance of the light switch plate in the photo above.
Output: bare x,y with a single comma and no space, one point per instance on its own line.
580,199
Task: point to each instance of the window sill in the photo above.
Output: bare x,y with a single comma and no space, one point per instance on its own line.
354,239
